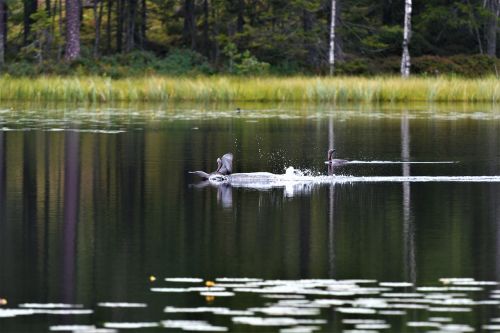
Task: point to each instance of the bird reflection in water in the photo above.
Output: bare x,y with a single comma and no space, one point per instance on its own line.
224,192
333,168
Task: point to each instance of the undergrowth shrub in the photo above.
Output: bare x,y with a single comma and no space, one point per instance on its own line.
250,65
462,65
359,66
180,61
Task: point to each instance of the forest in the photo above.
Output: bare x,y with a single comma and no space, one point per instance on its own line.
120,38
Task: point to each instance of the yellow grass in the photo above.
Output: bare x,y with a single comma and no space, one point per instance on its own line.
227,89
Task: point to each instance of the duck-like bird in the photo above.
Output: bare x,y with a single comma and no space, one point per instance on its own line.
334,161
224,167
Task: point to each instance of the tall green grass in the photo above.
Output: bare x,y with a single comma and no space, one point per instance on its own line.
227,89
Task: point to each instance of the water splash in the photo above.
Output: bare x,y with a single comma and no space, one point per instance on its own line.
296,177
398,162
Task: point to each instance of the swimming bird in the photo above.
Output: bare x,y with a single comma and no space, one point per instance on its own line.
334,161
224,167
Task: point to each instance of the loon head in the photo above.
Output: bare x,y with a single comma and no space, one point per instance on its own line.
330,154
219,164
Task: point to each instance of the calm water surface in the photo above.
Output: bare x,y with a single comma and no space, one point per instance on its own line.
95,201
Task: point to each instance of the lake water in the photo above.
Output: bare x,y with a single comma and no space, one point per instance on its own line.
97,207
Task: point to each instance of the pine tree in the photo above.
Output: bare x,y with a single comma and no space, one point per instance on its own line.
72,50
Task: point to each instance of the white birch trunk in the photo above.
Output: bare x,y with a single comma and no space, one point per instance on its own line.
405,59
331,58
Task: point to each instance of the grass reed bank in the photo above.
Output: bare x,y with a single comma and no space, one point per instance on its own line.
258,89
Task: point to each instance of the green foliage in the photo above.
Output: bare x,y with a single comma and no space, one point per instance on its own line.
434,65
20,68
40,36
388,65
286,67
253,38
244,63
463,65
359,66
249,65
231,52
448,27
181,61
386,40
137,63
475,65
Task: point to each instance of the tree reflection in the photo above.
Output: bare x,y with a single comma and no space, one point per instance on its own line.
2,176
408,224
331,208
71,205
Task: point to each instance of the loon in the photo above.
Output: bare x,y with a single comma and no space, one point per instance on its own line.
224,167
334,161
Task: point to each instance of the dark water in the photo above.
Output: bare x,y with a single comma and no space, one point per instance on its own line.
94,202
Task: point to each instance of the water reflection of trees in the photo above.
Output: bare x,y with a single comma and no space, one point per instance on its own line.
131,211
71,199
408,222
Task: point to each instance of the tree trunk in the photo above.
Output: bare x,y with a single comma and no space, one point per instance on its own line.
241,20
2,25
215,33
188,31
405,59
130,33
143,27
80,10
333,20
54,11
30,7
309,38
119,25
72,50
491,30
339,53
387,16
98,8
108,26
49,30
60,23
206,30
475,27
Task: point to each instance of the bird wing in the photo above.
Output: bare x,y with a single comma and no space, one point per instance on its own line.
227,164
